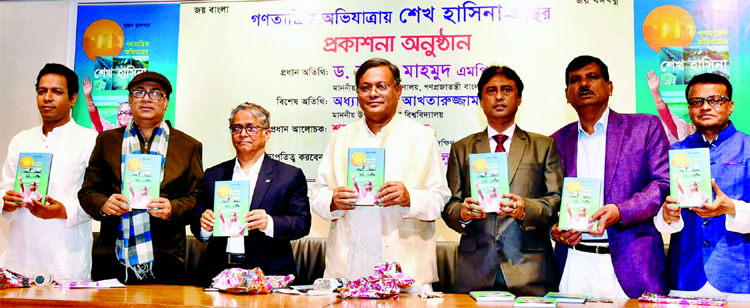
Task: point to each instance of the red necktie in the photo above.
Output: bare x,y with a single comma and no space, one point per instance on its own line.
500,138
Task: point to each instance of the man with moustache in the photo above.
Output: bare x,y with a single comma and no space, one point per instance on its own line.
509,250
279,208
414,192
52,235
708,252
143,246
624,256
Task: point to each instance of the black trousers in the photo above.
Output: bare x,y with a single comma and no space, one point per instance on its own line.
167,269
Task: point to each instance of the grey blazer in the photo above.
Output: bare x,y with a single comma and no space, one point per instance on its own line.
521,249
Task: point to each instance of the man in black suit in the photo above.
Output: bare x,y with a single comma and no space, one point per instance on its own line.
279,210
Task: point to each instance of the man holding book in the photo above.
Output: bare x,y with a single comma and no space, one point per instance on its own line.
143,246
624,255
507,250
51,235
414,191
279,210
708,252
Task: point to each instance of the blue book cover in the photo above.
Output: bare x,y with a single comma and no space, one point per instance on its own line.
690,173
231,204
581,198
489,179
32,176
142,179
366,173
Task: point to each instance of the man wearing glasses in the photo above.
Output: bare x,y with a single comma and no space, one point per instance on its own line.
279,210
708,253
413,195
143,246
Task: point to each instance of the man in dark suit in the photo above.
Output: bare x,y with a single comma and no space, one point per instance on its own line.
509,250
624,256
279,210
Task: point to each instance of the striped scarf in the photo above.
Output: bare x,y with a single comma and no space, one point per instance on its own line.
133,247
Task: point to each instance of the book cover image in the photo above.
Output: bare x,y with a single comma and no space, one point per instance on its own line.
581,198
690,173
231,204
366,173
531,301
32,176
142,179
492,296
489,179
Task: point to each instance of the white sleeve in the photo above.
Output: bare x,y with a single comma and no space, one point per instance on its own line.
320,195
9,174
740,222
76,214
205,235
666,228
269,227
427,204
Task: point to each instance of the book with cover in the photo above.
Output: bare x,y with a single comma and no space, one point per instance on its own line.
142,179
231,203
533,301
32,176
489,179
567,298
366,173
690,173
492,296
581,198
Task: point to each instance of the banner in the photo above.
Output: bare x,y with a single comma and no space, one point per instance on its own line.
681,39
113,44
297,59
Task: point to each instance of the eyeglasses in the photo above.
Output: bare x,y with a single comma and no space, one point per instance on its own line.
153,95
127,112
379,88
252,130
713,101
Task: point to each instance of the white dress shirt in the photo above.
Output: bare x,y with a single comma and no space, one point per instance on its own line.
61,247
236,244
491,132
585,272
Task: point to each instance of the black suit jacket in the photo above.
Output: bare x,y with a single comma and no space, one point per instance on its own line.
281,190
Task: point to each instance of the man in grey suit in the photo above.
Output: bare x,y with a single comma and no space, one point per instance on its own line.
509,250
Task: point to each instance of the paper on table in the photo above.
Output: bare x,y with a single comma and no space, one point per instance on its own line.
103,284
366,242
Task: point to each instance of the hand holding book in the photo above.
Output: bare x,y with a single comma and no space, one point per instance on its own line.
116,205
394,193
53,209
471,209
608,215
160,208
721,205
570,237
344,198
12,201
670,210
514,208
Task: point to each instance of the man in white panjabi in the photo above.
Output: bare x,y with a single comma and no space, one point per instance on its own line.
415,188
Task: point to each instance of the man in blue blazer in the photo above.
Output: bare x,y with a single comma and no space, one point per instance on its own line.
279,208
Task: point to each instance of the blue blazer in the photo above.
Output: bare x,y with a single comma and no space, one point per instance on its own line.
281,190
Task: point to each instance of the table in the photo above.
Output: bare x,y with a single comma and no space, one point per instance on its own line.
189,296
